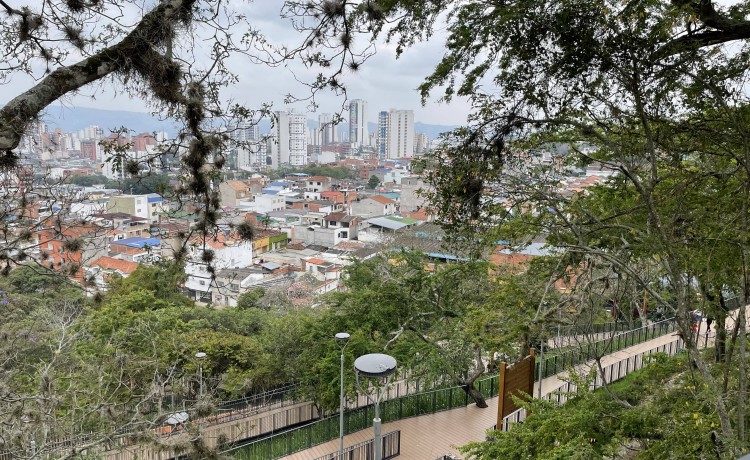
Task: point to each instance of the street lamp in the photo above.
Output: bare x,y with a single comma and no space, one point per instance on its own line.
380,366
342,338
200,355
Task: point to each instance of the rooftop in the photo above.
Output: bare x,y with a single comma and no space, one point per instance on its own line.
138,242
110,263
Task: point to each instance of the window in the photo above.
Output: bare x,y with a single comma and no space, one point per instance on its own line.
202,282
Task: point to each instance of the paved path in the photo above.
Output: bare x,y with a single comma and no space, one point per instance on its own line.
430,436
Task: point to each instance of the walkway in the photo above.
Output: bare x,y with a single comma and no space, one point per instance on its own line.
429,436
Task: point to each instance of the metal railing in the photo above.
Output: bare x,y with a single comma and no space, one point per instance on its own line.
320,431
557,362
363,450
612,373
404,399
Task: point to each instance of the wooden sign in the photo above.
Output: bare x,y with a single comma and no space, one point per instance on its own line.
516,380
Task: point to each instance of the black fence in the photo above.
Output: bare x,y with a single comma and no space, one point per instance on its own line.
364,450
612,373
559,361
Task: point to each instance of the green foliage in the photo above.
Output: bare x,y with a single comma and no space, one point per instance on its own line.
373,182
140,185
88,181
250,299
162,280
669,419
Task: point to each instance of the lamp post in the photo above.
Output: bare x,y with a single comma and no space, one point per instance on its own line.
342,338
200,355
375,365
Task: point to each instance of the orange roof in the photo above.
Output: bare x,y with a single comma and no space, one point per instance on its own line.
110,263
317,179
237,185
315,261
382,200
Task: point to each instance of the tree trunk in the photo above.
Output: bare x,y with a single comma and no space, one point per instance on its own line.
475,395
720,345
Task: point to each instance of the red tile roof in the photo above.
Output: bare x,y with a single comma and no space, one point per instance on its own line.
110,263
315,261
382,200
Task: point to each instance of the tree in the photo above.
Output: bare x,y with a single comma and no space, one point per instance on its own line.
373,182
250,299
639,87
435,322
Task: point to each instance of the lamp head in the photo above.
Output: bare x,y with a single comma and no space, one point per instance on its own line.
342,336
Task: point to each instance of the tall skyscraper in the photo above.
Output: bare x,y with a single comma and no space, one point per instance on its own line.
382,141
395,134
246,152
358,123
244,131
290,143
421,143
326,129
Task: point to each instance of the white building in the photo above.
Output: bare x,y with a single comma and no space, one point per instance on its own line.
290,139
400,134
358,136
264,204
226,254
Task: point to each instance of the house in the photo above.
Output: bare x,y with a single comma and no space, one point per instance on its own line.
268,240
100,271
321,206
65,246
122,225
317,184
148,206
230,284
339,197
137,249
234,191
221,252
320,269
263,203
349,225
325,230
373,206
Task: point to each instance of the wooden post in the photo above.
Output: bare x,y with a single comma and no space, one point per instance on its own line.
532,356
501,396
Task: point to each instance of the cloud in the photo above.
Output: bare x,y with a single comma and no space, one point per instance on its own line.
383,81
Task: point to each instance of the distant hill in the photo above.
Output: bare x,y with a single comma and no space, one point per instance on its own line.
74,118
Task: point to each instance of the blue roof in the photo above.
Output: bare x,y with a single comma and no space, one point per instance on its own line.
155,198
278,183
138,242
270,266
268,191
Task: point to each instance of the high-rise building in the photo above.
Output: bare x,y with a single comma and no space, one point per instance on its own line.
290,139
358,123
243,131
421,144
245,151
326,129
395,134
382,140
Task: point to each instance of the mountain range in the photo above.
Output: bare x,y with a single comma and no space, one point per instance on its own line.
70,119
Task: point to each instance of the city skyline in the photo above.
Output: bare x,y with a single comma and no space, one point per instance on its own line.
383,78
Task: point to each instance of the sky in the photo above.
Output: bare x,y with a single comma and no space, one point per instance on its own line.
384,81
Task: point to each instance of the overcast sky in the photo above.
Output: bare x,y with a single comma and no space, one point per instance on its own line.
384,82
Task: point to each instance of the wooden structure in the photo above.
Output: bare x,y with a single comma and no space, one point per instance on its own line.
516,380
